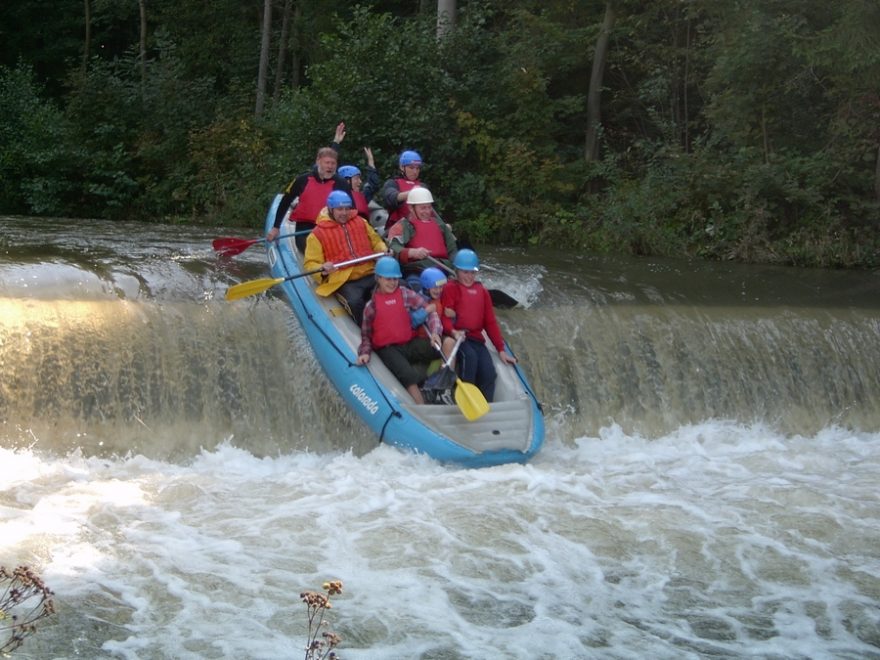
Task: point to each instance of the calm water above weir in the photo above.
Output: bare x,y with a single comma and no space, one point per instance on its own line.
178,469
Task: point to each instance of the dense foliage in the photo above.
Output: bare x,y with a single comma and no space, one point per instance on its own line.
745,130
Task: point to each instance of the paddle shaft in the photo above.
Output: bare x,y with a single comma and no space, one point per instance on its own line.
447,361
258,286
341,264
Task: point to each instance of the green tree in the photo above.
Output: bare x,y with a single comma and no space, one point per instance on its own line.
34,160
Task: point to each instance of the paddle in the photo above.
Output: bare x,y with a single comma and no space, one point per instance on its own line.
500,299
229,246
468,397
258,286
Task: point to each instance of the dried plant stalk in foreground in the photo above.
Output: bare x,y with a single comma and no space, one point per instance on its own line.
316,604
24,601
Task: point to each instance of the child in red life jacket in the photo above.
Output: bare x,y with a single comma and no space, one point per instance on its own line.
386,329
432,281
473,313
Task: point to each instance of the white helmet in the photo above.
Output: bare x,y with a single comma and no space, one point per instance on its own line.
419,195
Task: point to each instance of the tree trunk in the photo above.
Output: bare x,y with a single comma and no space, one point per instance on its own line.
282,50
295,51
594,117
877,177
764,135
264,57
445,17
87,45
142,46
684,90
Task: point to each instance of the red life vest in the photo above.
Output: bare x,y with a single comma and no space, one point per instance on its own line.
361,203
403,185
470,310
342,242
312,199
391,325
427,234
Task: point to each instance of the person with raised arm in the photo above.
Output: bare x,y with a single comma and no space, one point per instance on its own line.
309,191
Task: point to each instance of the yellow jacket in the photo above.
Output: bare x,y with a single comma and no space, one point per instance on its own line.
315,253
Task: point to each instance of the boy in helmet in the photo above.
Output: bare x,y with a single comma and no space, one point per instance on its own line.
341,234
431,281
470,302
395,190
387,330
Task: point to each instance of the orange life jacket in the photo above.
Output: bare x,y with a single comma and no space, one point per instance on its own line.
342,242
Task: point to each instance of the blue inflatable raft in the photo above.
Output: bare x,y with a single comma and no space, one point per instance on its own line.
511,432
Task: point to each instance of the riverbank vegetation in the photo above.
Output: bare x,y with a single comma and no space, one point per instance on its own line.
745,130
24,600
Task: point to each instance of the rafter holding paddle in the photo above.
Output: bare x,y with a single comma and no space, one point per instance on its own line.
254,287
468,397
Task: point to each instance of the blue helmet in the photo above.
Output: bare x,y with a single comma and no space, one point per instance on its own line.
432,277
466,260
388,267
410,157
348,171
339,198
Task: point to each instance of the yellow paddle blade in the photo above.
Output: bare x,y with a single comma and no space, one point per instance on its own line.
470,400
253,287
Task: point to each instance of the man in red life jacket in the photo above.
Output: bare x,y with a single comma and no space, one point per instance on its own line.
395,191
339,235
422,234
473,313
386,329
311,189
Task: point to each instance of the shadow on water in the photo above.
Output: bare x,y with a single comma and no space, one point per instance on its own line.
115,338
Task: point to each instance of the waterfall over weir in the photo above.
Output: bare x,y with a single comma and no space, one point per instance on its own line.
117,349
178,469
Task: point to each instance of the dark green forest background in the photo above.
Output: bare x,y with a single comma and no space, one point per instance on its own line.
727,129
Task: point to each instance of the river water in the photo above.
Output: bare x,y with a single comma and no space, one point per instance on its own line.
178,470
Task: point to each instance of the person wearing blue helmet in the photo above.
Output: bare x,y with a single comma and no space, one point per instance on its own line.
432,281
340,234
386,329
473,317
395,190
362,187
